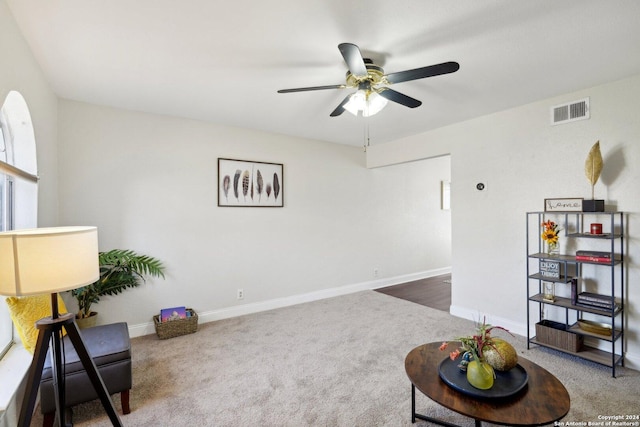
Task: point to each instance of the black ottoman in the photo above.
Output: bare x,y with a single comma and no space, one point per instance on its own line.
110,348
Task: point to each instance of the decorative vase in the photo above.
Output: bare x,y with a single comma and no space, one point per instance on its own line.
480,374
552,248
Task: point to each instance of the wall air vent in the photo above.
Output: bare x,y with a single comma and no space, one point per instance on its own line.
565,113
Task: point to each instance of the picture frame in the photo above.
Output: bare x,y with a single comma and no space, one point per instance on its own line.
248,183
570,204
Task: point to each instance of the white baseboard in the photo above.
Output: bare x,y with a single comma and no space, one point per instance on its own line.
256,307
632,361
515,328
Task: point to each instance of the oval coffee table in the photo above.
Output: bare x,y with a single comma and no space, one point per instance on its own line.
542,401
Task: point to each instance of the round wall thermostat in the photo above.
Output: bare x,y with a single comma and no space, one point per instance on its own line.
480,186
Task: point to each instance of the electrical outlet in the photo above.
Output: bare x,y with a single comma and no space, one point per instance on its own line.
240,293
375,272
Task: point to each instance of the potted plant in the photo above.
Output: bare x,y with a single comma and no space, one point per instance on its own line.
119,269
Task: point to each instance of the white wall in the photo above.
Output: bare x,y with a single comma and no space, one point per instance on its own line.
20,72
523,160
149,183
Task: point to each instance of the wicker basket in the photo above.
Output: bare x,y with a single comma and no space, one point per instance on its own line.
175,328
555,334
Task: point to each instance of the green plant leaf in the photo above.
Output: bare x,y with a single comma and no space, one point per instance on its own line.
120,269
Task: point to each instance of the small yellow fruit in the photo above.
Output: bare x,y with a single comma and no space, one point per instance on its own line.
501,356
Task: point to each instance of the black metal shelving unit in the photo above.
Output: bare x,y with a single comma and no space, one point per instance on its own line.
605,349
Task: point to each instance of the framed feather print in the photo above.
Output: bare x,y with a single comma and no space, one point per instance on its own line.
244,183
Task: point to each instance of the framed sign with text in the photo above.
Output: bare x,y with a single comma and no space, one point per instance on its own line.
563,205
550,269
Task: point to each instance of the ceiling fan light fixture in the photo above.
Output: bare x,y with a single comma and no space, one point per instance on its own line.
365,102
371,82
357,102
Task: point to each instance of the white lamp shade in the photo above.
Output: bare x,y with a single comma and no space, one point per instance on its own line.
367,102
47,260
375,104
357,102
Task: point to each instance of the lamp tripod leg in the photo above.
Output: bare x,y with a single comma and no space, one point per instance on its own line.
49,330
92,372
58,374
33,377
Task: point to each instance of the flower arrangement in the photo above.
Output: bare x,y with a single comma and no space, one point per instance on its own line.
474,344
480,374
550,234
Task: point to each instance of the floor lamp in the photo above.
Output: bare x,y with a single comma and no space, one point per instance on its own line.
52,260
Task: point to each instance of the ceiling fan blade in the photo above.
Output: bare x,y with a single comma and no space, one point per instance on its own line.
304,89
400,98
421,73
340,108
352,56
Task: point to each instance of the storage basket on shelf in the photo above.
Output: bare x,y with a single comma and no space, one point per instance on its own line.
555,334
175,328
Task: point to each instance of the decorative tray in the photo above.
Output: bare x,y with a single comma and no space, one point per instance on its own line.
594,327
506,383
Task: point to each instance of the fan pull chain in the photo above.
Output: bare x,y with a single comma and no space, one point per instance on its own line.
366,136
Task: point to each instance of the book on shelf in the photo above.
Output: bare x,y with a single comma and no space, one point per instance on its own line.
592,296
593,259
597,254
574,290
602,304
173,313
593,300
594,256
596,306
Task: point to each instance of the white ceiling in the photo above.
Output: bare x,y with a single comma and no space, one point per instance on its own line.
223,62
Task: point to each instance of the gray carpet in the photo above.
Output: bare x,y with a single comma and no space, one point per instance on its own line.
335,362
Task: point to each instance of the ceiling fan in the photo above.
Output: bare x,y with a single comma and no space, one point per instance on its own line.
372,83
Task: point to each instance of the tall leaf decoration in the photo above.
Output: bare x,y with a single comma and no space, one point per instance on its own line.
259,185
276,186
245,184
593,166
268,191
226,183
236,181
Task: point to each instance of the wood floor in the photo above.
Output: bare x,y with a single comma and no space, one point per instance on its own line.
434,292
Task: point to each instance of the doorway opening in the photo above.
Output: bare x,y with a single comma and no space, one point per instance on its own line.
434,290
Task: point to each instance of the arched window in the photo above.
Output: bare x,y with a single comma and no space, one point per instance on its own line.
18,182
